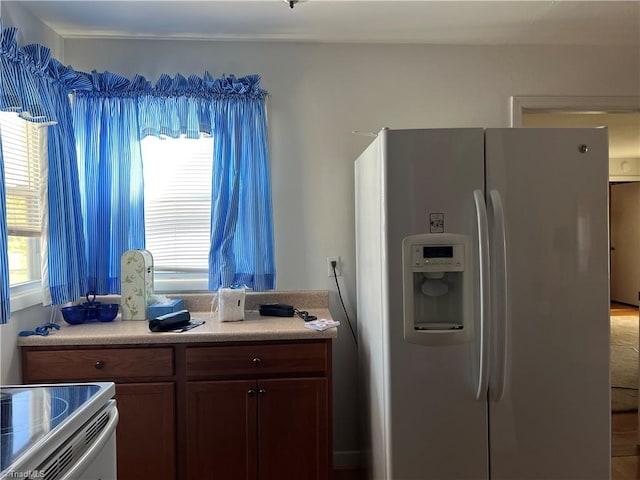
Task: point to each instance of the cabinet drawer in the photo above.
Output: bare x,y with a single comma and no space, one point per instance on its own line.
255,360
97,364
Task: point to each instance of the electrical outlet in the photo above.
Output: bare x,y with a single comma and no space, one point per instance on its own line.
330,268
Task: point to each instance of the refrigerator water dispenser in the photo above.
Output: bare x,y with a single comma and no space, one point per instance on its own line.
437,288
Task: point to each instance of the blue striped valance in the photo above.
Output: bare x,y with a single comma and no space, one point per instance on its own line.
173,106
23,75
111,84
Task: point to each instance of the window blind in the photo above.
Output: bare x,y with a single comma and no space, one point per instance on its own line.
177,178
21,153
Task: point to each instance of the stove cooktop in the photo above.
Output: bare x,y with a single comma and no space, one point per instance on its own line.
29,413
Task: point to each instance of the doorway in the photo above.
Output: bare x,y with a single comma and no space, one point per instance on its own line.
624,216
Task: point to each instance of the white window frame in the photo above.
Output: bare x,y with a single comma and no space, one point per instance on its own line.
28,294
194,280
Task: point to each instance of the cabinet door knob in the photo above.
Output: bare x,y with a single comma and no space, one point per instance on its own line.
99,365
251,392
262,391
256,361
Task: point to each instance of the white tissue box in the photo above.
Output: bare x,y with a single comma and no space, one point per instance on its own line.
231,304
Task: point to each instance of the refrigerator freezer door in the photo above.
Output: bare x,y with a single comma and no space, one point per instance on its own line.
436,427
553,419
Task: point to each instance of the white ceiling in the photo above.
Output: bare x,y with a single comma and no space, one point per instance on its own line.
477,22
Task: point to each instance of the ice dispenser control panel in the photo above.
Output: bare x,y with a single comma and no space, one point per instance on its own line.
437,288
438,258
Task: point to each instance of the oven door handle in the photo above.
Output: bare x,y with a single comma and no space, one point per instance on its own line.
95,449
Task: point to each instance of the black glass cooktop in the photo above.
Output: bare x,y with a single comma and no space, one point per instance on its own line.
29,413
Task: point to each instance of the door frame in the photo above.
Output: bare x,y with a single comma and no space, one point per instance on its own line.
520,103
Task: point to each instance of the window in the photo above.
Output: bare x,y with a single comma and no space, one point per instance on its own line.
21,150
177,208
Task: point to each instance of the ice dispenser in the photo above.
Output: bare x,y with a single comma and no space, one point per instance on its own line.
437,288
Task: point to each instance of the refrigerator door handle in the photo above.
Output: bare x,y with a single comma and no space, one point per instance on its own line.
485,293
499,365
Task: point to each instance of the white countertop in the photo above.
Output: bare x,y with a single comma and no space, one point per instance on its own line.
253,328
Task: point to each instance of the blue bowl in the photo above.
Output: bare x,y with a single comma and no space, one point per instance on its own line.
106,312
74,315
91,308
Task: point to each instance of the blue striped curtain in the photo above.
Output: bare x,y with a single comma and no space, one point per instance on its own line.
233,111
111,184
241,250
29,88
66,253
107,135
5,310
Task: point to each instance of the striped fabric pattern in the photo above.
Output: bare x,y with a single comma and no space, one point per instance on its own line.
241,219
67,264
110,167
233,111
33,84
9,98
5,307
22,72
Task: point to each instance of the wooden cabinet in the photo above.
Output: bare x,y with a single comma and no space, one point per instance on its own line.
272,423
293,433
145,396
273,429
146,430
221,429
241,410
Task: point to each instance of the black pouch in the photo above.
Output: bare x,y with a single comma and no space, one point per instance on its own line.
276,310
170,321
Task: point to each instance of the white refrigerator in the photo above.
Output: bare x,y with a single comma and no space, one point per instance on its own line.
483,304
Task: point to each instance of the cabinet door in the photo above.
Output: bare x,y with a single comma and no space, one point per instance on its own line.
221,430
293,431
145,437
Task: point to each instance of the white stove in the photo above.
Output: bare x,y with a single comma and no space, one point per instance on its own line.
58,431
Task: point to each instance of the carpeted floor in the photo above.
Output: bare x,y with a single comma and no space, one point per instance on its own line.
624,363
